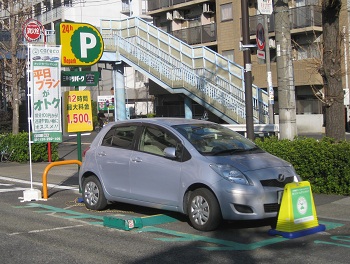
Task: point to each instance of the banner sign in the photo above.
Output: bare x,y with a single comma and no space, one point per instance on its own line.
46,93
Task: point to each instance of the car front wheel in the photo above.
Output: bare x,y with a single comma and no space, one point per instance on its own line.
204,210
93,195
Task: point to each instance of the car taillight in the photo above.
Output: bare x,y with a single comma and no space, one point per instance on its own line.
85,150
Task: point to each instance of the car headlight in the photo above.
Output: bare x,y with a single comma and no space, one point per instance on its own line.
231,174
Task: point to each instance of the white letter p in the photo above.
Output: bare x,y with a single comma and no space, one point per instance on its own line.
84,45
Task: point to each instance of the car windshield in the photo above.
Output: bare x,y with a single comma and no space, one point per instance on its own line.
213,139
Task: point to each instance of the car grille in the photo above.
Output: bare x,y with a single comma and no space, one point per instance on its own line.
276,183
271,208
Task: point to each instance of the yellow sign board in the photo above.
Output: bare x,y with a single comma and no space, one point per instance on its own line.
78,111
82,44
297,215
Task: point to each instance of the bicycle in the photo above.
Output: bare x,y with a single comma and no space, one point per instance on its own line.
5,155
101,124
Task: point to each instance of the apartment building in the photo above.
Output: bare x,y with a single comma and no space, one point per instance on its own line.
50,12
217,25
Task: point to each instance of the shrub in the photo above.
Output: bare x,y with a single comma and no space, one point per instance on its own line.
325,163
20,147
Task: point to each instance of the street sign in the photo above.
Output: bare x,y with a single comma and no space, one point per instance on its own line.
82,43
79,78
265,7
260,37
260,54
105,102
32,29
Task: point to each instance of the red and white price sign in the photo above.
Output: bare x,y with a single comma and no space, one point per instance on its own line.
32,29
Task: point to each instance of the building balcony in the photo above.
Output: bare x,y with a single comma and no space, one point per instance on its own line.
197,35
304,18
50,16
156,5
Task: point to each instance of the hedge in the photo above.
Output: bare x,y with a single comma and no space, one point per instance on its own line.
324,163
19,146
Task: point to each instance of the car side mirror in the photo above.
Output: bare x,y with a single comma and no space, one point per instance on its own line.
170,152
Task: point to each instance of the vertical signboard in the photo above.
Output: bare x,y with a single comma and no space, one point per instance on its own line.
78,111
45,76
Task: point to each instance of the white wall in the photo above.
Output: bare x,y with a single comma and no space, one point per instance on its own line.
92,12
308,123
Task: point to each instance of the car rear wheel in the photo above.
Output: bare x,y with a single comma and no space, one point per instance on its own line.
204,210
93,195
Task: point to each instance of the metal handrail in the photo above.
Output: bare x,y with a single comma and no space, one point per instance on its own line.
210,69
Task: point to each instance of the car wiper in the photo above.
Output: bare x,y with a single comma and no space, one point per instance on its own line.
256,149
233,151
227,151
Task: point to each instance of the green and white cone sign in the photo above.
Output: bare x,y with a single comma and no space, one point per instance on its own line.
82,44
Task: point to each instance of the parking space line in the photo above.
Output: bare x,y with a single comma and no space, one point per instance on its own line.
40,184
157,220
149,223
45,230
222,245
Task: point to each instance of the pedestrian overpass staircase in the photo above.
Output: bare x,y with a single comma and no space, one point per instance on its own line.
197,72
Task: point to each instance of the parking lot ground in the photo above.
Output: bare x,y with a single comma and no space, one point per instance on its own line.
167,227
170,231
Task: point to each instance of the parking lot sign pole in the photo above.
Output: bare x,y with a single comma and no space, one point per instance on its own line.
82,45
80,158
247,71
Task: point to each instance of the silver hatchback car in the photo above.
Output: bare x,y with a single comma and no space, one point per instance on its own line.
198,168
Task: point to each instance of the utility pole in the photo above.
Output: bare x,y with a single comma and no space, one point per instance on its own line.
268,71
285,73
247,70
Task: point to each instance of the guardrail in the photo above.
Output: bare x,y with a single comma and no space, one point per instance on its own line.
260,130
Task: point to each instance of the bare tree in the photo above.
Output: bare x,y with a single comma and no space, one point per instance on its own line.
14,13
330,70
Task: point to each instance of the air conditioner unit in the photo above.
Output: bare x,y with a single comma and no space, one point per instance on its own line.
169,16
178,14
207,8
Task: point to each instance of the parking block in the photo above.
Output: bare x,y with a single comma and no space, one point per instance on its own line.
122,223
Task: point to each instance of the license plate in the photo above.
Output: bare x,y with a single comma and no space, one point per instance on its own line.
279,196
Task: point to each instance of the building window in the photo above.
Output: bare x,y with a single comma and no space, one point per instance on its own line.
67,3
226,12
37,9
229,54
46,6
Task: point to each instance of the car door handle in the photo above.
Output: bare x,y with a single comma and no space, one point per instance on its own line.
136,159
101,154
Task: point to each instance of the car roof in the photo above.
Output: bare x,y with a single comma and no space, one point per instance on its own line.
167,121
162,121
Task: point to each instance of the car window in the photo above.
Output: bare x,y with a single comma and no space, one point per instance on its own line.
119,137
212,139
154,140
